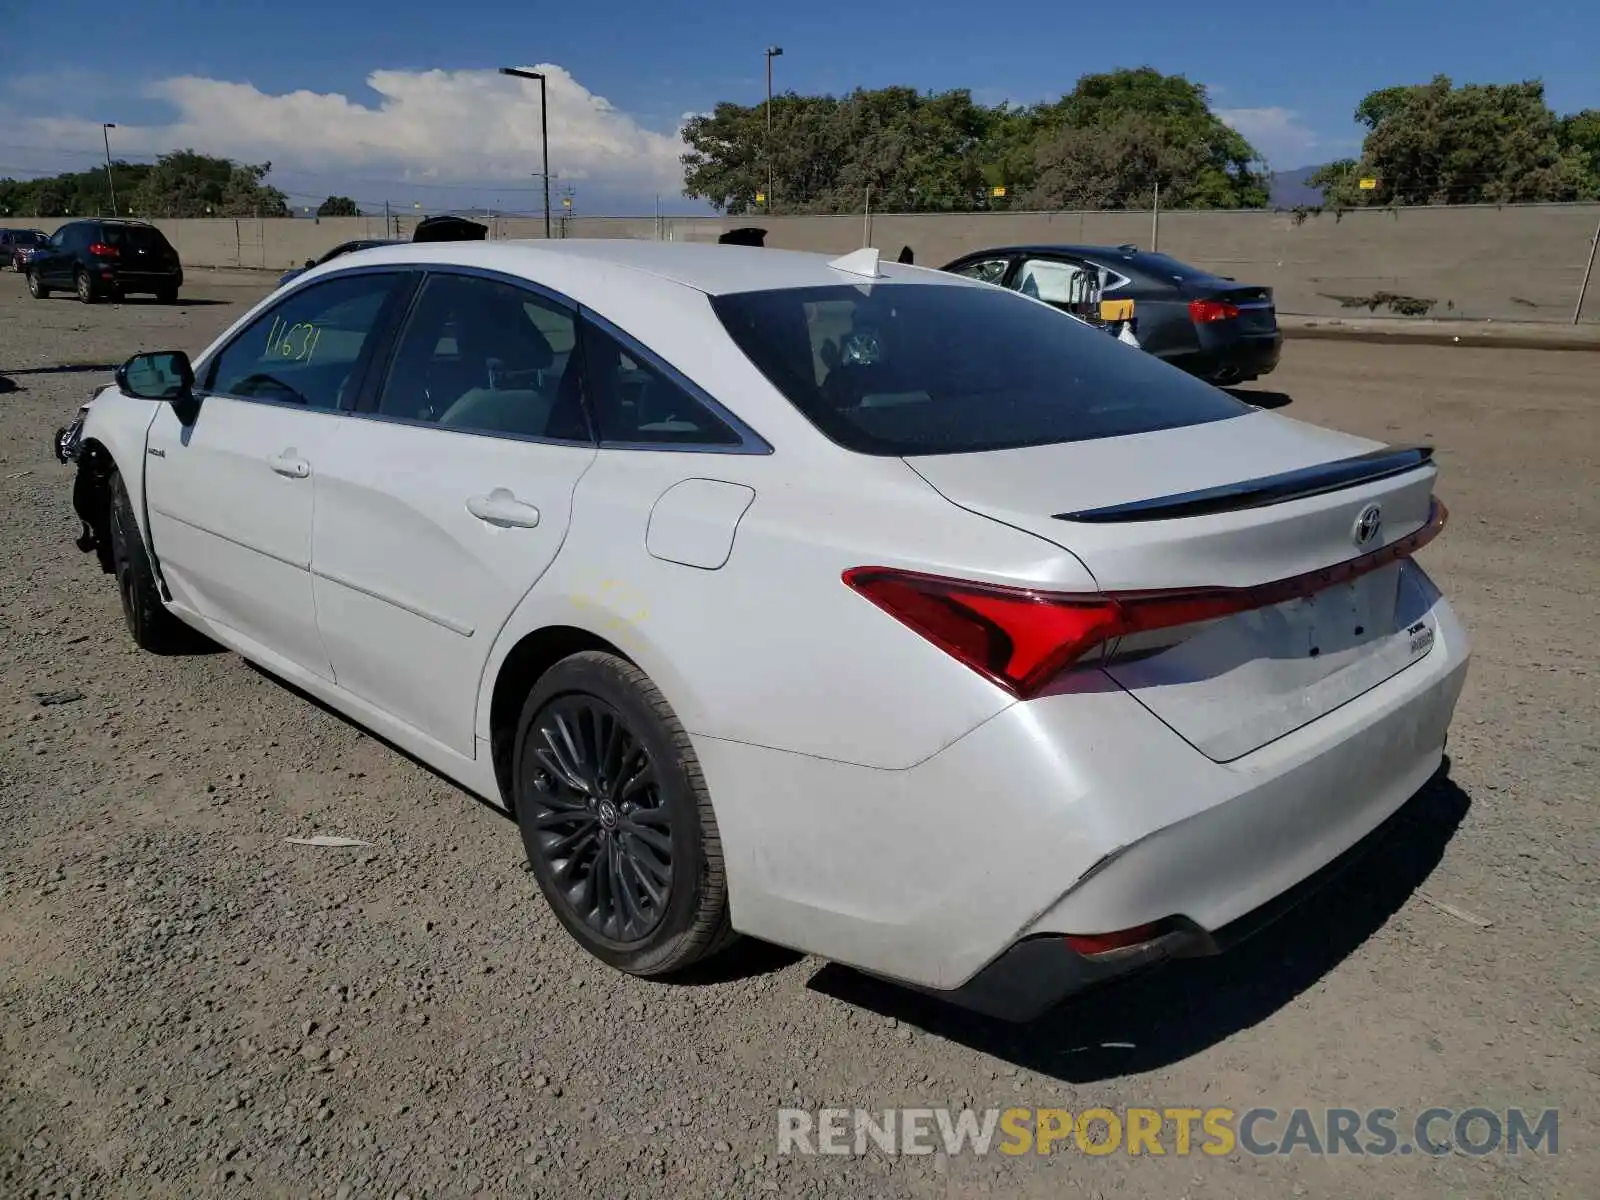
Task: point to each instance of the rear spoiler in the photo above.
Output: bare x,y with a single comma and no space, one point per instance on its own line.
1260,492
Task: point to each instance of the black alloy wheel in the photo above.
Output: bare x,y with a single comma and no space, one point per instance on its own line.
616,818
598,818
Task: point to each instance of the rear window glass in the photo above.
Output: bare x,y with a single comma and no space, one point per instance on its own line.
1163,267
140,237
910,369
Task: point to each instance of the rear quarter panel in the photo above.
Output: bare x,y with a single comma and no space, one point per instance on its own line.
772,649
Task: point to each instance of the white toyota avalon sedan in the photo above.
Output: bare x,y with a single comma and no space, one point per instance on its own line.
859,607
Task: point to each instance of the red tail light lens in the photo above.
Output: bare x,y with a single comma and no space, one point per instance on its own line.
102,250
1022,638
1203,312
1091,944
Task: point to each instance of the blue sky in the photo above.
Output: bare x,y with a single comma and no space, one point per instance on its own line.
400,101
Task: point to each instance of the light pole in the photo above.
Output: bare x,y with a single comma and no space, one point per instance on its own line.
772,53
105,132
544,135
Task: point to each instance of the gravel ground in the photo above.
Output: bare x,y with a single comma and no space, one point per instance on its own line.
190,1005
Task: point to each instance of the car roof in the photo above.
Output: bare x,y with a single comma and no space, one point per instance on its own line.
1156,262
702,266
1117,252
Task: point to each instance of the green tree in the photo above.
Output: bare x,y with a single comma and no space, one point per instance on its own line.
917,152
932,152
338,206
80,193
1109,141
1579,135
1337,181
184,183
1437,143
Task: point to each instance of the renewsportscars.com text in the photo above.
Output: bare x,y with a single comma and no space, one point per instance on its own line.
1216,1132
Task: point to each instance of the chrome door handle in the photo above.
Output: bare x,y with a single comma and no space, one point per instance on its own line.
290,464
500,507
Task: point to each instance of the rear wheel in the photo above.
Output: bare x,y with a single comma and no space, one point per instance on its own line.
152,626
167,295
616,819
84,286
36,287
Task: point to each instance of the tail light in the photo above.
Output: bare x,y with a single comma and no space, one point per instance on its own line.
1203,312
102,250
1091,944
1022,638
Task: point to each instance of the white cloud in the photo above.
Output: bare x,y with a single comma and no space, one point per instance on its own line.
1277,133
438,126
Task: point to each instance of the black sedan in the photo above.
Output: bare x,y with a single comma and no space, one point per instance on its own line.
341,248
1209,325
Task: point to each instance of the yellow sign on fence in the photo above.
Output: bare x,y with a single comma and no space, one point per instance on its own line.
1368,184
997,191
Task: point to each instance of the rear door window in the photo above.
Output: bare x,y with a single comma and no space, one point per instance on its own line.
912,369
636,403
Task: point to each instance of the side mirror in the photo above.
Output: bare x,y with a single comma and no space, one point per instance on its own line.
165,375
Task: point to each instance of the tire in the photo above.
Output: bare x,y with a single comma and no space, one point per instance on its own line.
84,286
591,695
36,287
167,296
153,628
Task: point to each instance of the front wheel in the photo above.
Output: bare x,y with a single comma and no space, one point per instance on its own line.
36,287
153,627
616,819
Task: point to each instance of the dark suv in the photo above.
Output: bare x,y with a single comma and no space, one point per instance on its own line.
106,258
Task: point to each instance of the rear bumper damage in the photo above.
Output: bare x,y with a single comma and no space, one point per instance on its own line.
1042,971
1076,816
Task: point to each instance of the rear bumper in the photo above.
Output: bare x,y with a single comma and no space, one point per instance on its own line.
1040,972
140,281
1078,813
1227,357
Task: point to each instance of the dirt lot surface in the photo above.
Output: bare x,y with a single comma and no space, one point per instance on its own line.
190,1005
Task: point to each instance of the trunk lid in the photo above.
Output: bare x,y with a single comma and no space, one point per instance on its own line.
1234,504
1257,313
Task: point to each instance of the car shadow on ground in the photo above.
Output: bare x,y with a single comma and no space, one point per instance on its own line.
1260,397
1150,1021
7,384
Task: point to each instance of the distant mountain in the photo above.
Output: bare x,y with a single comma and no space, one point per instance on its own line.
1288,189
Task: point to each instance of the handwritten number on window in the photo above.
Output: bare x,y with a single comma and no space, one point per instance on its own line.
296,343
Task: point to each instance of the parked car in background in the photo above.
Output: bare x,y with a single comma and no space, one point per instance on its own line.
855,606
341,248
101,258
443,227
17,245
1211,326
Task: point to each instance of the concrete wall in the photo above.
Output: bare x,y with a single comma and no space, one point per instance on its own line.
1512,263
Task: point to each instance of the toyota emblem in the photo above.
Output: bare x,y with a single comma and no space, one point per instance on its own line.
1367,525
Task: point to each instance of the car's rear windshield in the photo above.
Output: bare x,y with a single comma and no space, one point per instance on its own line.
1164,267
910,369
140,237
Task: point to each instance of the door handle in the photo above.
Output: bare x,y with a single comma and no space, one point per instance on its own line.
500,507
290,463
